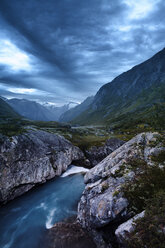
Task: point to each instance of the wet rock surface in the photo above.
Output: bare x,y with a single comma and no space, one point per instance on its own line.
32,158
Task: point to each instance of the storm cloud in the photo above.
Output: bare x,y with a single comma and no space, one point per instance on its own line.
65,50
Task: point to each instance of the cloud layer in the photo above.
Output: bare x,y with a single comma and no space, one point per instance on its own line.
65,50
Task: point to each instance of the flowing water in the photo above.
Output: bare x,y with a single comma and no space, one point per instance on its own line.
25,221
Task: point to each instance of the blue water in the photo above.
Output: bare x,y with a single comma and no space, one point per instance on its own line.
25,221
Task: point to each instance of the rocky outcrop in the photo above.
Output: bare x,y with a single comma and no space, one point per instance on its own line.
96,154
103,203
123,231
69,234
32,158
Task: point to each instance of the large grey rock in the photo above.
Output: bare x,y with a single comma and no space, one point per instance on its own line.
96,154
32,158
123,231
103,202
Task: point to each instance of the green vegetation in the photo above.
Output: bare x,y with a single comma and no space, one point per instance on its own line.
146,118
83,137
150,230
159,158
132,165
145,185
86,141
147,192
104,186
116,193
12,127
125,120
146,111
120,172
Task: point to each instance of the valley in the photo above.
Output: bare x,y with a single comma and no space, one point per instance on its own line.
116,140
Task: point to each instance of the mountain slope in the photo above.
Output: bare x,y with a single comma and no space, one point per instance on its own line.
74,112
35,111
136,90
57,111
6,111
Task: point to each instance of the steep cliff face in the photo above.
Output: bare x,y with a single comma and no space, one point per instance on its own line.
117,186
32,158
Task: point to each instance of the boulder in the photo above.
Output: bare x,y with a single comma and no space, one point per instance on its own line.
69,234
96,154
103,203
32,158
123,231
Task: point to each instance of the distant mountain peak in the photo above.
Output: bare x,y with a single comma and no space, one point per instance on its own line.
77,110
36,111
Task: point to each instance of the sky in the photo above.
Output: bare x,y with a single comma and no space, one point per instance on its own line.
60,51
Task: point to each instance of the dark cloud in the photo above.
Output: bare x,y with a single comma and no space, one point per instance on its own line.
74,47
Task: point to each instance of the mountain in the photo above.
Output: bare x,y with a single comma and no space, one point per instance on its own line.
35,111
76,111
57,111
137,95
6,111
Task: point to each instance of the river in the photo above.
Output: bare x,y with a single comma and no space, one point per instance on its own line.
25,221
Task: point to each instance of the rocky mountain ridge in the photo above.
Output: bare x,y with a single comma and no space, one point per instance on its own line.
36,111
135,91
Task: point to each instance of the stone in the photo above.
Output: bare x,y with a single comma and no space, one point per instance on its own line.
69,234
103,203
33,158
123,231
96,154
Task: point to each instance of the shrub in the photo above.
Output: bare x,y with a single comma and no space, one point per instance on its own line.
144,186
150,230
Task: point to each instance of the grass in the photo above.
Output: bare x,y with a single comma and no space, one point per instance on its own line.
87,141
11,128
83,137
